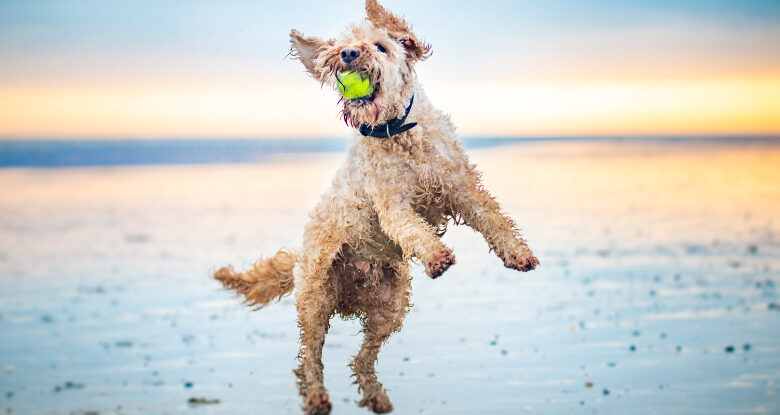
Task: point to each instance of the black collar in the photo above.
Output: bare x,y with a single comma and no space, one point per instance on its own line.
391,127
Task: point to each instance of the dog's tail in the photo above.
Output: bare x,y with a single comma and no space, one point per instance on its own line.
269,279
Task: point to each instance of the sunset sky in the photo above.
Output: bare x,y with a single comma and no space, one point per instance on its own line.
198,68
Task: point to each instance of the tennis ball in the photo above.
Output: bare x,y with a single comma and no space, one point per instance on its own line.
353,84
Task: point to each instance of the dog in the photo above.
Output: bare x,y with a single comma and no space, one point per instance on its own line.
405,178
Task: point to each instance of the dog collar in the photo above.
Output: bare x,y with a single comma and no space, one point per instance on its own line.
390,128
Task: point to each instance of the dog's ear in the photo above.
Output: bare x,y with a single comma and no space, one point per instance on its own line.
398,29
306,49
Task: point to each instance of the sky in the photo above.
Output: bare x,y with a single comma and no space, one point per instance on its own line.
198,68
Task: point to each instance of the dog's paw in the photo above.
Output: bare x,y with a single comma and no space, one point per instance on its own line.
522,260
317,403
379,404
439,263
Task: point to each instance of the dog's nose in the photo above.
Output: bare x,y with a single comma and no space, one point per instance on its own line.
349,54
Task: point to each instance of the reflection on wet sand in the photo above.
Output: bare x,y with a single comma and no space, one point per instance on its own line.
657,292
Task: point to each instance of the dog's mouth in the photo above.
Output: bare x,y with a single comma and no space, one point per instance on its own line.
362,97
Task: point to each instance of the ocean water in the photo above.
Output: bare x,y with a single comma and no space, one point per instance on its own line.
116,152
658,291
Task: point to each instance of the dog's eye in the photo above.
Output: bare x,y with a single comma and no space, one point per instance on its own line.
381,48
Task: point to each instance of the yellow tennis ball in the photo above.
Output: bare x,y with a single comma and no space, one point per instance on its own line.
353,84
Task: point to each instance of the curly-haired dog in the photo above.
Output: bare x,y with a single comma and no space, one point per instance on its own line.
405,177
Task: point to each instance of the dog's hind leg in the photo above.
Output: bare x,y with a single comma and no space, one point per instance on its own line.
316,303
378,326
384,315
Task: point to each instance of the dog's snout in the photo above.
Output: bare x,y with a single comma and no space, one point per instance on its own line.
349,54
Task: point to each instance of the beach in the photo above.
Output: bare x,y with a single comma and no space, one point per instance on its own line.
657,291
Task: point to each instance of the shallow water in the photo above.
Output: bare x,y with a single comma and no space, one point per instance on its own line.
657,292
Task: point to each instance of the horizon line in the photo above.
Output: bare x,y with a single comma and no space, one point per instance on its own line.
629,136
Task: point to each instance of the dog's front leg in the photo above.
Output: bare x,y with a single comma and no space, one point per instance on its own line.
480,210
412,233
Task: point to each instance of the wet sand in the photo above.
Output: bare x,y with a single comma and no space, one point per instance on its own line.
657,292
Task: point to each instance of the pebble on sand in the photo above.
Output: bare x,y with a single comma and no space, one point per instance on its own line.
68,385
202,401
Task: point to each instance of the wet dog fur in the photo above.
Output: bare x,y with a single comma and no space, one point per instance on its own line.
389,203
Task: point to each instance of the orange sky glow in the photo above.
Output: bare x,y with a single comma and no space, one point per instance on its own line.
650,76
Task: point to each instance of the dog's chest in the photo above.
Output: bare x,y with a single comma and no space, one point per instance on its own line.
422,174
429,192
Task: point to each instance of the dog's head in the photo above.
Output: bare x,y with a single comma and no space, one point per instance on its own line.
383,47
